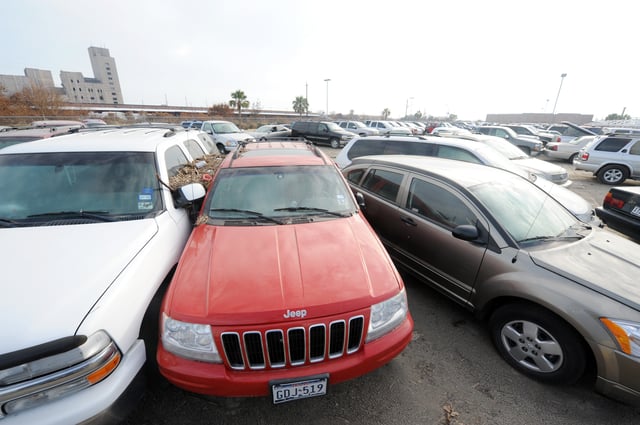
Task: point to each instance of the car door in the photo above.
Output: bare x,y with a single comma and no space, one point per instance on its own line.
634,158
430,210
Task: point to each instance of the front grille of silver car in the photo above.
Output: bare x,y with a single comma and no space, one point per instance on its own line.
293,346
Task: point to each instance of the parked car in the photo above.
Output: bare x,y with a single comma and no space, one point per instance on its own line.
532,131
612,159
271,131
91,234
226,135
620,210
569,131
20,135
499,246
358,128
321,132
567,151
529,145
192,124
383,127
309,298
469,150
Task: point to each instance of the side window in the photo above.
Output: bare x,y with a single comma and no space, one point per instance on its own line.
175,159
501,133
323,128
635,149
438,204
365,147
451,152
194,149
384,183
351,125
355,176
207,127
612,144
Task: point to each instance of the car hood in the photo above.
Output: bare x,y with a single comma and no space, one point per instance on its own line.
539,167
603,261
50,285
575,203
238,137
253,275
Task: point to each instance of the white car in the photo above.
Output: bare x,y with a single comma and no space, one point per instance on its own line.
91,235
567,150
226,135
358,127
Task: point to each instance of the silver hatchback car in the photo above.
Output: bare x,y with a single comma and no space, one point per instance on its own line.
559,295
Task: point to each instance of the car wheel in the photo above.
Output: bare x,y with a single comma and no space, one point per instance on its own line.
335,143
221,149
613,174
538,343
263,139
572,157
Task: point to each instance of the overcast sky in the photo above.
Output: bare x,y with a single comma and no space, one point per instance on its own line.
466,57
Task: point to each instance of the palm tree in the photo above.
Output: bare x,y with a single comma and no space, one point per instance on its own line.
239,101
301,105
385,113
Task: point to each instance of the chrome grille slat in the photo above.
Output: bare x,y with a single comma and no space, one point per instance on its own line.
295,346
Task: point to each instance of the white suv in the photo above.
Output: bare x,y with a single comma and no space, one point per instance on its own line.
91,235
612,159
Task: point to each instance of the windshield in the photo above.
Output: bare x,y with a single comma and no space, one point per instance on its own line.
505,148
281,192
225,127
334,127
108,183
524,211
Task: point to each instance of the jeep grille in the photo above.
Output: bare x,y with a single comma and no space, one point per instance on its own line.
294,346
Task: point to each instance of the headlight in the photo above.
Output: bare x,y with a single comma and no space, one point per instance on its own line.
190,340
387,315
627,334
231,143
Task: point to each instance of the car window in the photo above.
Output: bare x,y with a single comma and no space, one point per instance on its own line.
635,149
364,147
501,133
175,159
384,183
354,176
194,149
438,204
452,152
612,144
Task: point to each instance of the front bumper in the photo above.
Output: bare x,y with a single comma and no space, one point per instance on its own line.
218,380
618,376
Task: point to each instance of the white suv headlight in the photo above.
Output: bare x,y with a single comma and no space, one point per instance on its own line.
190,340
387,315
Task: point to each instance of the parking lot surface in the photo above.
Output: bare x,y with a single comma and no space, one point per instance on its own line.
449,374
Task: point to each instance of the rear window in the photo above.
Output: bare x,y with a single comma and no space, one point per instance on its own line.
612,144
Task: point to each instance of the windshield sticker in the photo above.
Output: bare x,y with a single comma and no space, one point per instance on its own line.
145,199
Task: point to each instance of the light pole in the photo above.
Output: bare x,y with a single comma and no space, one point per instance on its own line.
560,88
406,107
327,110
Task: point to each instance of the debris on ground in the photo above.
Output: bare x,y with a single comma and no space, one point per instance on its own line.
200,170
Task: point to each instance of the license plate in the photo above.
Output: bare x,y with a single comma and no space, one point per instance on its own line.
636,210
295,390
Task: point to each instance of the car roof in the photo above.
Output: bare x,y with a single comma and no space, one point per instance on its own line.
138,139
464,174
276,153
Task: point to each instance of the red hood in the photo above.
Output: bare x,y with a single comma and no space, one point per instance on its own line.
252,275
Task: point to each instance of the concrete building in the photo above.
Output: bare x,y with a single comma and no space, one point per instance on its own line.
103,87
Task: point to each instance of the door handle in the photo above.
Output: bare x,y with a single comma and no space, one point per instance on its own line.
409,221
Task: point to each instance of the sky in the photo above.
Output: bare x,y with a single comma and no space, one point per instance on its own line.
464,57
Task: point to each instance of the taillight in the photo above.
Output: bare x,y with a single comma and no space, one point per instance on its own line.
613,202
552,147
584,156
558,139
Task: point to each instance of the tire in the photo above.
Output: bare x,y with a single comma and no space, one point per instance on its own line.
221,149
537,343
572,157
613,174
335,143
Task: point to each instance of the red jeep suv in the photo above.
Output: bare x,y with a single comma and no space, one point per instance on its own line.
283,288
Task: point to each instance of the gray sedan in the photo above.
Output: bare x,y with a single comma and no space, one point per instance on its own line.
560,296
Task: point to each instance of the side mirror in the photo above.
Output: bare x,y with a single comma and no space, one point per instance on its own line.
360,200
188,194
466,232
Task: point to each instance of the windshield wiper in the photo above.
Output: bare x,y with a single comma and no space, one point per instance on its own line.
255,214
94,215
5,222
551,238
319,210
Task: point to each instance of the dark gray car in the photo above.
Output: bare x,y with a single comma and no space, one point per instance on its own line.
559,295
